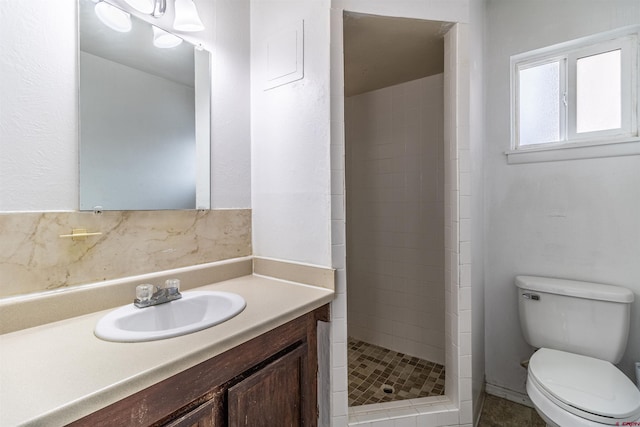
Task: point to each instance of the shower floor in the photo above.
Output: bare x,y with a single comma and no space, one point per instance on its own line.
378,375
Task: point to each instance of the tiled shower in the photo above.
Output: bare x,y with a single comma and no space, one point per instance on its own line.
395,221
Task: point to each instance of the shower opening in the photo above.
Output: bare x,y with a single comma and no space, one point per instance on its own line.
394,169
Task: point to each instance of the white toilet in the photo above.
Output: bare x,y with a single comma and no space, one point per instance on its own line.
580,330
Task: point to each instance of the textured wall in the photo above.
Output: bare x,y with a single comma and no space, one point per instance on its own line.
574,219
290,187
34,258
476,178
38,105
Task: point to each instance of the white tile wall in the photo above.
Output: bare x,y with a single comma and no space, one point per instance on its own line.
339,401
395,217
457,168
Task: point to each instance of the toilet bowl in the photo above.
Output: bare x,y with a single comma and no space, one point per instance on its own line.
580,330
570,390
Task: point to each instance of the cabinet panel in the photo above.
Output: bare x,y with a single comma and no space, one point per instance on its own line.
272,396
203,416
207,414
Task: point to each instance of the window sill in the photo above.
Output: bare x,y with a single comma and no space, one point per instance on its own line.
627,147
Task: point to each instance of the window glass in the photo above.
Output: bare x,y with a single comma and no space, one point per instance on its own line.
599,92
539,104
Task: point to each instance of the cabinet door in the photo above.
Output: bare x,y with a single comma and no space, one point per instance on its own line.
273,396
207,414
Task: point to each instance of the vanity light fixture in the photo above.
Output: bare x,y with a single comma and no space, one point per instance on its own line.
186,16
112,17
164,39
155,8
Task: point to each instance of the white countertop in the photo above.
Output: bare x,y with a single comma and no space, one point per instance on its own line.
59,372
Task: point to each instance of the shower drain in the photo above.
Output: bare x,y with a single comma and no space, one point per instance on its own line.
388,389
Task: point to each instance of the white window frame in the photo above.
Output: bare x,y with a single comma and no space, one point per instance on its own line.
572,145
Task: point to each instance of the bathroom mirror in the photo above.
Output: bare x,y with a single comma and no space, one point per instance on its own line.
144,119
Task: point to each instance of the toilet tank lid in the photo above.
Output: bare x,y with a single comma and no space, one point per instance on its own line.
575,288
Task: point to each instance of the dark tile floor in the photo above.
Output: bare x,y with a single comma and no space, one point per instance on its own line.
498,412
377,375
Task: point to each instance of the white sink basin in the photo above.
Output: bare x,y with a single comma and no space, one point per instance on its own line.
195,311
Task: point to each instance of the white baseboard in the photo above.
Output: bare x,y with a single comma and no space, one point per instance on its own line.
505,393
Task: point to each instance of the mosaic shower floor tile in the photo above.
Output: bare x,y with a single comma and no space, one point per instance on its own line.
377,375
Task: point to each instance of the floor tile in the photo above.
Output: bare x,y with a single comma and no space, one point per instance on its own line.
498,412
377,375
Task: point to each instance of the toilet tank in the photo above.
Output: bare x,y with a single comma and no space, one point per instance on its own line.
585,318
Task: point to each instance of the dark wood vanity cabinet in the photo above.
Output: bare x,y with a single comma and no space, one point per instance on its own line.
273,396
268,381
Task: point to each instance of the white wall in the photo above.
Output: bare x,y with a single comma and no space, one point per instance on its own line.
573,219
290,180
395,217
38,104
476,178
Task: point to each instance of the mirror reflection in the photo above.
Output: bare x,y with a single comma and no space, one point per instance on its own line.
144,116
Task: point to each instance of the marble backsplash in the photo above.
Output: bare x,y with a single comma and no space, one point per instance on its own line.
34,258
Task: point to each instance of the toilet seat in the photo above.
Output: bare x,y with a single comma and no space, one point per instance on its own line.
589,388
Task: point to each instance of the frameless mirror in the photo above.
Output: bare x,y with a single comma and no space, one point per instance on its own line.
144,119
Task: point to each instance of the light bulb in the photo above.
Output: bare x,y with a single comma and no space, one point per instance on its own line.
187,18
113,17
164,39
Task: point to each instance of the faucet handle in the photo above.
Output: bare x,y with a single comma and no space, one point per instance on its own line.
144,292
172,283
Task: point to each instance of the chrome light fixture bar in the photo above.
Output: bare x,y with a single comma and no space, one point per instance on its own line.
186,18
155,8
159,8
186,14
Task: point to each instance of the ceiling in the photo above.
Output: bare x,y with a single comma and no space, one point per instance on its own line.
383,51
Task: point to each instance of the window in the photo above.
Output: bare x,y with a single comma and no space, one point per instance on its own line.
576,94
539,109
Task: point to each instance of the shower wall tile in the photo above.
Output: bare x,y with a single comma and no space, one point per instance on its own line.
34,258
395,217
459,191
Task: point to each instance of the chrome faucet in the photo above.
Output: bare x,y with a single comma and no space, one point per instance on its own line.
148,295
